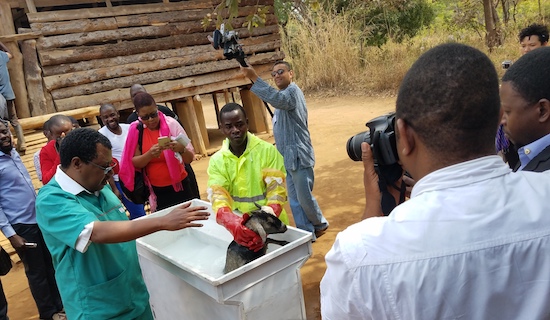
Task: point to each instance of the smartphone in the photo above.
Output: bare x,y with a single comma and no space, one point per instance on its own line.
30,245
163,141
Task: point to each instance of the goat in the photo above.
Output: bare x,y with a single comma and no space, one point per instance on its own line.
264,224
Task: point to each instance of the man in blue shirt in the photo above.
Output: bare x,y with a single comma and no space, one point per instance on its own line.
293,141
7,92
525,98
18,224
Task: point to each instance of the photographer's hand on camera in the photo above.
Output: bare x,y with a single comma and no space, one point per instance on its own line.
250,73
373,197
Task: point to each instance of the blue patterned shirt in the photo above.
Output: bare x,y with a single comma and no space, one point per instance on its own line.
17,195
289,123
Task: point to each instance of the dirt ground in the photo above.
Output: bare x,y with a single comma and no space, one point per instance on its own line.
338,188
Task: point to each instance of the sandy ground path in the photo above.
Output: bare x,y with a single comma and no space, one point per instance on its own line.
338,188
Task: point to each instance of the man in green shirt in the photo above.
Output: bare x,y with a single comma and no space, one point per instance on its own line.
89,236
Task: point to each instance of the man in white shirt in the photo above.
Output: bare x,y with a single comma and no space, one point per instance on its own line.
473,240
525,95
117,132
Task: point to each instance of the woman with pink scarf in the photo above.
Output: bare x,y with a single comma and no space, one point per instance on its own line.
163,167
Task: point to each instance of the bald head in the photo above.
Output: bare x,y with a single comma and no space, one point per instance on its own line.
135,88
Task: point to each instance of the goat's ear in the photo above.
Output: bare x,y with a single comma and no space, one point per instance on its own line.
257,227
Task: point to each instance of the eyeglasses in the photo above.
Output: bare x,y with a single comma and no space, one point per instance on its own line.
149,116
278,72
106,170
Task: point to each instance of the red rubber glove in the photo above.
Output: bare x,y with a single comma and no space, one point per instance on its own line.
277,209
235,225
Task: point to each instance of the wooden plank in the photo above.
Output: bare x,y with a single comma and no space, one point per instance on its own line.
33,79
38,121
75,54
178,89
132,9
111,23
89,91
262,43
53,3
73,81
109,72
74,26
20,36
162,91
122,60
132,33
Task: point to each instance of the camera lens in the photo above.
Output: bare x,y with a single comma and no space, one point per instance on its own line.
354,145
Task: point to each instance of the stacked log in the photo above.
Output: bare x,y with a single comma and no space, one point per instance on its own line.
93,56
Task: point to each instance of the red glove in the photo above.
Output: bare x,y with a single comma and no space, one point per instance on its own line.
235,225
277,209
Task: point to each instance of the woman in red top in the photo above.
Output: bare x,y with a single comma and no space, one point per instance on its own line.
163,164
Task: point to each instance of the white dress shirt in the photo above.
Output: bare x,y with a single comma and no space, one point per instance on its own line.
473,242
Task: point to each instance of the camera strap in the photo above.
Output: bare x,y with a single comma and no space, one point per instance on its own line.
387,178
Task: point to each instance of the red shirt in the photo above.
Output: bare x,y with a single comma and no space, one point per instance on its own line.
156,169
49,160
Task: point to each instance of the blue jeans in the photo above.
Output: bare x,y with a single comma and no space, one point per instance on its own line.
136,210
304,206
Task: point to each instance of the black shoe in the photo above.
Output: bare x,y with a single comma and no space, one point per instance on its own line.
320,232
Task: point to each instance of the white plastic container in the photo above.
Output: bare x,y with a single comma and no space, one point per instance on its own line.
183,271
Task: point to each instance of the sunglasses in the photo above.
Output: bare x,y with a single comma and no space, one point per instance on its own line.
106,170
149,116
278,72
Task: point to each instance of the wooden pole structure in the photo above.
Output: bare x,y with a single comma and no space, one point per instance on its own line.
188,116
38,104
197,103
255,109
30,6
15,66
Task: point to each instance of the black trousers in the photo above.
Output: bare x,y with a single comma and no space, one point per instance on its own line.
191,181
167,196
39,270
3,304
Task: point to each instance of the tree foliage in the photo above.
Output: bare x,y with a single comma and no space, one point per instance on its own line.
398,20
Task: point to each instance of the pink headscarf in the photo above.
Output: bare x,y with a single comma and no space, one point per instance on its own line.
127,169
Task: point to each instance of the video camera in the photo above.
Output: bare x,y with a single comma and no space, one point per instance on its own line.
229,42
381,138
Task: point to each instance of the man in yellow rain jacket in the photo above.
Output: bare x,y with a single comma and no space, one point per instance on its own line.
246,172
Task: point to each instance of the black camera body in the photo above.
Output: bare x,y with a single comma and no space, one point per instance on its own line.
381,138
229,42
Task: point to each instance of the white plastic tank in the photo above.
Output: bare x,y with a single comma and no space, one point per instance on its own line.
183,271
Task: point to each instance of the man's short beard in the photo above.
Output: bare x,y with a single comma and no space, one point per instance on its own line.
6,150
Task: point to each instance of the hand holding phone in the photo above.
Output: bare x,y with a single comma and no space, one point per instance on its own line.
164,141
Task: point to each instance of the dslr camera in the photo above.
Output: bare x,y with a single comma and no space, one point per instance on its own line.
228,41
381,138
506,64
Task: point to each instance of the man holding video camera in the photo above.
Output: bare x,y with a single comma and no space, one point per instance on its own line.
293,142
456,248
